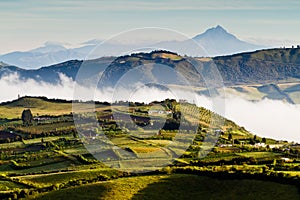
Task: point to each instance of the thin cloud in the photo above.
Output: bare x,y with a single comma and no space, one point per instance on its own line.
138,5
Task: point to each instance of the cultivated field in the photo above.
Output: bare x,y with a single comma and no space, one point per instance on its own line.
138,159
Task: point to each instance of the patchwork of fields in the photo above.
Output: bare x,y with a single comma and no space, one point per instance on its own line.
49,159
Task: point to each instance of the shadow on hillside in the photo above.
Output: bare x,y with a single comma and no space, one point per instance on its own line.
88,192
198,187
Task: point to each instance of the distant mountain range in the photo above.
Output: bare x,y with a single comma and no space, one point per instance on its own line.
257,73
213,42
51,74
258,67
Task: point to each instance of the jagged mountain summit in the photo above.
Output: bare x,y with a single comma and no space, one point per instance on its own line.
217,42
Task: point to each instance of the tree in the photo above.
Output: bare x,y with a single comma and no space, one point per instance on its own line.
177,115
230,137
252,141
264,140
74,134
27,117
236,141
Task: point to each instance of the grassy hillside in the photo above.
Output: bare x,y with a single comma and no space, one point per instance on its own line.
47,160
38,106
153,67
278,55
56,107
177,187
260,67
270,66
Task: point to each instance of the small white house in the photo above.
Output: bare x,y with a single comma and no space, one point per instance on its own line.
277,146
260,145
286,160
159,112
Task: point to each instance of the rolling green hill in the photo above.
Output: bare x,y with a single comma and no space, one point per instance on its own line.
47,160
260,67
177,187
263,67
271,67
38,106
44,106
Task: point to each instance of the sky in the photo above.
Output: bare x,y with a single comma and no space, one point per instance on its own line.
27,24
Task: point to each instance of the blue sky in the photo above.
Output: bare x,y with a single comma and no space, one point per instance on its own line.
26,24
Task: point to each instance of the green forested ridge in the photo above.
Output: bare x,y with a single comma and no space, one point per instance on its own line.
260,67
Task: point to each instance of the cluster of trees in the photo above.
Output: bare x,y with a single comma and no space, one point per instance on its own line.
27,117
251,141
11,139
62,143
17,166
29,135
233,161
87,161
25,157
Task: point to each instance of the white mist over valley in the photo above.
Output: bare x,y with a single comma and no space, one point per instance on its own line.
267,118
